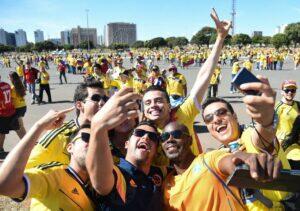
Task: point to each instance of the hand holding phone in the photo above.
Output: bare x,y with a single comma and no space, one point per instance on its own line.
245,76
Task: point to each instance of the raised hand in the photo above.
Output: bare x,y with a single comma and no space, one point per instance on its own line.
121,106
222,27
53,119
260,108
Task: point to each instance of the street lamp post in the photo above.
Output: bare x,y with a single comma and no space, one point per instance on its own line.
87,25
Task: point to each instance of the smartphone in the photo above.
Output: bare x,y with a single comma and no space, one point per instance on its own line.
245,76
289,180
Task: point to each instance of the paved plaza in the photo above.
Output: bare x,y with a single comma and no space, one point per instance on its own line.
62,96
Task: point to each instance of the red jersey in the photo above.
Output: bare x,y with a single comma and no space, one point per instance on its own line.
31,75
6,106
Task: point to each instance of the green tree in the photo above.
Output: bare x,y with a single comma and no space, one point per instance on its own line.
6,48
181,41
241,39
119,46
204,36
279,40
266,40
84,45
293,33
156,43
68,47
257,39
138,44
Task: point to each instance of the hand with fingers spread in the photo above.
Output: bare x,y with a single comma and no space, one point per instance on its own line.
53,119
121,106
262,166
260,108
222,27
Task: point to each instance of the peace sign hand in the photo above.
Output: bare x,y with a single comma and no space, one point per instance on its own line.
222,27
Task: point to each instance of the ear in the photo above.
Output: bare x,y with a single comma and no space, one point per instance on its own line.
79,106
70,148
235,116
190,140
126,144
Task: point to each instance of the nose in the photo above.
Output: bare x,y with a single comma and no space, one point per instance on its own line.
217,119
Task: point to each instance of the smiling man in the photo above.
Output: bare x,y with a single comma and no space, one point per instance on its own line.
288,129
133,184
222,123
156,101
197,182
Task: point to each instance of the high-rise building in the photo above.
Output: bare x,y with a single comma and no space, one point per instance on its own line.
11,39
3,37
79,35
55,41
257,33
65,37
120,33
100,40
38,36
21,38
280,29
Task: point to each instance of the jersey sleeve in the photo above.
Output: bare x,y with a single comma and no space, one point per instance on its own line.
38,183
213,158
190,108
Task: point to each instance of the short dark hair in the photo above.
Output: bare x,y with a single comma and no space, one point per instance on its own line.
158,88
81,92
211,100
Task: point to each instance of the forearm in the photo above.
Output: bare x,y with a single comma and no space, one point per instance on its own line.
263,137
12,169
206,71
99,162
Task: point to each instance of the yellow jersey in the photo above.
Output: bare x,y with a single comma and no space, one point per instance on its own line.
274,196
235,68
17,100
215,78
176,84
44,77
20,70
198,189
53,146
54,186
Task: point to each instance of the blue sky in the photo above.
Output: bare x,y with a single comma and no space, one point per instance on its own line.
153,17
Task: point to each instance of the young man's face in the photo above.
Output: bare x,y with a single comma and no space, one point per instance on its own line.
156,106
288,93
92,104
142,146
177,145
221,124
78,148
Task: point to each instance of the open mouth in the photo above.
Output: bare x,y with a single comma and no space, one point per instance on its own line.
144,146
155,112
221,128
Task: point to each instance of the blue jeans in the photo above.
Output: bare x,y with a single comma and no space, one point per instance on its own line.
232,87
31,88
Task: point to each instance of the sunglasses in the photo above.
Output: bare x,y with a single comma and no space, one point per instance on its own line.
219,113
177,134
84,137
96,98
152,135
289,90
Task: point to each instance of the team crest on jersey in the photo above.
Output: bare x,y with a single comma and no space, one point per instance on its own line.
197,168
75,191
157,180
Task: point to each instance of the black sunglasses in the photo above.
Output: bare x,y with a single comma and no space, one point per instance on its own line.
289,90
97,98
83,137
177,134
219,113
152,135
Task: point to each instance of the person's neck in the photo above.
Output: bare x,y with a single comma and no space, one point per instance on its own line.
288,102
81,172
162,123
183,163
82,120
